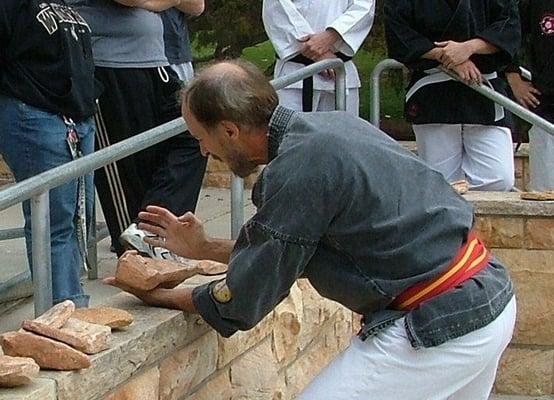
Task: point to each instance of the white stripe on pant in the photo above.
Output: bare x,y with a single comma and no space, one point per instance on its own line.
483,155
387,367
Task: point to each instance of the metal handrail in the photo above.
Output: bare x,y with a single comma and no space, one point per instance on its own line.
486,91
37,188
237,184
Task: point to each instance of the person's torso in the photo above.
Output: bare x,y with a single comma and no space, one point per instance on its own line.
451,102
397,222
124,37
319,14
541,23
176,37
47,61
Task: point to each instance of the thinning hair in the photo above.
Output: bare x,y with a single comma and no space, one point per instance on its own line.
233,90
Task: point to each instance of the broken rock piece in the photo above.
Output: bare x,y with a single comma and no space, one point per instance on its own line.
48,353
84,336
147,273
209,267
58,315
108,316
17,371
538,196
460,186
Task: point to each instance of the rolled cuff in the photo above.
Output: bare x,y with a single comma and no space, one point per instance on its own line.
202,299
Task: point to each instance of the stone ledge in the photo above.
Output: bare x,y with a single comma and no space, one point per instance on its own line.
508,203
154,334
43,389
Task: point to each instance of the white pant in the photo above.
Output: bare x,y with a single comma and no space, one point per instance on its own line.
483,155
323,100
541,159
387,367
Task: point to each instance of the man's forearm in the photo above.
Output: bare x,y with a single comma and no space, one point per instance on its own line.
177,299
218,250
192,7
480,46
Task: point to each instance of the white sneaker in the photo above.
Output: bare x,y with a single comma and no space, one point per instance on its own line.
133,239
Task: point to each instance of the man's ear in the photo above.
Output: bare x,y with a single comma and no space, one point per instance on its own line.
231,129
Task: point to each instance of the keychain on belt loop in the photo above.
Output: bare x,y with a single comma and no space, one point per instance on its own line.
80,218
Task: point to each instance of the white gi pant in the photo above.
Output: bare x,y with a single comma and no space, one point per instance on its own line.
541,159
482,155
323,100
387,367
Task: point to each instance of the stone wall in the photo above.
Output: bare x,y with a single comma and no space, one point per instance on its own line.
166,355
218,175
521,234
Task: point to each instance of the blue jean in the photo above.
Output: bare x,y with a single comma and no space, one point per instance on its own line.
33,141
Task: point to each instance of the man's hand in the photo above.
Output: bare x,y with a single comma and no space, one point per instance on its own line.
328,73
182,235
468,72
524,91
454,53
317,45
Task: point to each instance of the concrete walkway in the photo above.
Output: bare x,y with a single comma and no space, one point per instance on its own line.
213,208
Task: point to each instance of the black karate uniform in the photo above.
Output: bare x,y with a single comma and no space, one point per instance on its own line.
412,27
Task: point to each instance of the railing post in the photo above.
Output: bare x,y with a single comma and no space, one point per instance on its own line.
340,89
42,262
375,90
92,246
237,205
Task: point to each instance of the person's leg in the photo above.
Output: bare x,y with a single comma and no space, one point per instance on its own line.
488,160
125,109
34,141
387,367
440,146
541,159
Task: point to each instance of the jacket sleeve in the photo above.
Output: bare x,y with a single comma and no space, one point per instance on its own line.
354,25
284,25
517,60
404,43
272,251
504,31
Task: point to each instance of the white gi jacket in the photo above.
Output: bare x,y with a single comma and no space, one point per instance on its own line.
286,21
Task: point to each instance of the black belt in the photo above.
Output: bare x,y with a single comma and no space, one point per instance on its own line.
308,83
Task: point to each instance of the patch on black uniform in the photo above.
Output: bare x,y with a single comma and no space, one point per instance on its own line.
547,25
221,292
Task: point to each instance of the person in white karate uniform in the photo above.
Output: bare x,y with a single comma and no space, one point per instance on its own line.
307,31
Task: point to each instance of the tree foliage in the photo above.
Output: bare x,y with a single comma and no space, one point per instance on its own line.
229,26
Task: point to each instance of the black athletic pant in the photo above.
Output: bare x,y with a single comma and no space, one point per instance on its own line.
168,174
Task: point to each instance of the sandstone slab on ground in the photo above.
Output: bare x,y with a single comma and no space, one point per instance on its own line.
108,316
84,336
48,353
538,196
460,186
17,371
146,273
58,315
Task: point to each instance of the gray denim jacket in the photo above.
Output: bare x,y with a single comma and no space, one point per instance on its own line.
342,204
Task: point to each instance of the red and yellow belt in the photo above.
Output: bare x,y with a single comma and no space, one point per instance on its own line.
471,258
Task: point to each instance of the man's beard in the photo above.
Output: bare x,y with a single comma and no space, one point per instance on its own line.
242,168
239,164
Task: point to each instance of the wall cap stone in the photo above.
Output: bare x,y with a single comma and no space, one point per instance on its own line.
509,204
